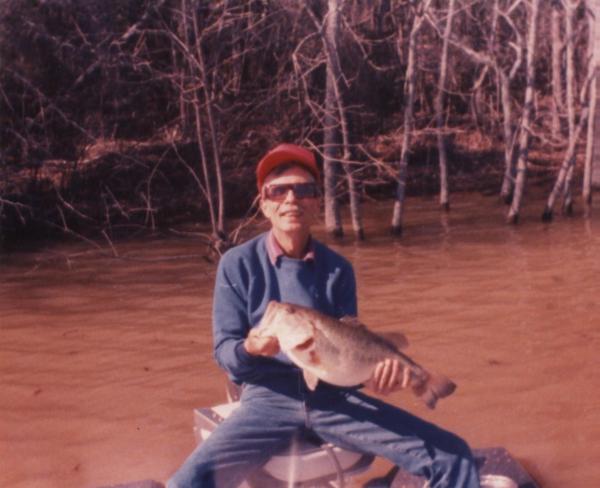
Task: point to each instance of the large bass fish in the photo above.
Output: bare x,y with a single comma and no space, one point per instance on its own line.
342,352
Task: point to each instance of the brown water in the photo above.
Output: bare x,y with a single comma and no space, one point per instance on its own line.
102,360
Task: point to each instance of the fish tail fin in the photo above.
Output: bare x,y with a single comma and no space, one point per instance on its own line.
434,387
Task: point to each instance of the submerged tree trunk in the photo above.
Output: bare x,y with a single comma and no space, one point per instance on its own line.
508,130
567,164
334,73
509,137
589,148
439,112
396,228
515,208
570,8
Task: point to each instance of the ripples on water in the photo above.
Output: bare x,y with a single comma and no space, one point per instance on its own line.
102,362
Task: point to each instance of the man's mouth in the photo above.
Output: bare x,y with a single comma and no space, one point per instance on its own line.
291,213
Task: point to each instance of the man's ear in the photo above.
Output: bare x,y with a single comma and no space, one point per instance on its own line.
263,206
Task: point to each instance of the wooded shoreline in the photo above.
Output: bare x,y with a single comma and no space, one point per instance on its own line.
126,117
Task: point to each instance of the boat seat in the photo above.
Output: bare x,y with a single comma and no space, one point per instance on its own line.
308,461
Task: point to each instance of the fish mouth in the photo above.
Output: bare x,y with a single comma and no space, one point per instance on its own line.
303,346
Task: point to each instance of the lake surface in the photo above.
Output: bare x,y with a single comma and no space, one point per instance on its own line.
102,360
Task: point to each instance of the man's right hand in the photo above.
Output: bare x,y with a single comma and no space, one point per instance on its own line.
259,345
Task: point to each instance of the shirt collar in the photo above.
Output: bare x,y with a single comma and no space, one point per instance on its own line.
275,251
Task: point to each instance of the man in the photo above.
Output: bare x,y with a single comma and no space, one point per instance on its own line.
288,265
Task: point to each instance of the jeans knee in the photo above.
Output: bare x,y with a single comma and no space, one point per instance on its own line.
456,469
171,483
184,478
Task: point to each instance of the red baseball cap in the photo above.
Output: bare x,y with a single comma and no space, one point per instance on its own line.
286,153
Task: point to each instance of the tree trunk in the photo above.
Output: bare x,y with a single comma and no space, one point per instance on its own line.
396,228
182,73
570,8
334,67
219,231
568,162
515,208
589,148
557,94
195,107
509,137
439,111
333,219
335,70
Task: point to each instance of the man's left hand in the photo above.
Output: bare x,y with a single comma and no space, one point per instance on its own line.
389,375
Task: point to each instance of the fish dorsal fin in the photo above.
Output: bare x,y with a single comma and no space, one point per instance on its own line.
310,379
397,338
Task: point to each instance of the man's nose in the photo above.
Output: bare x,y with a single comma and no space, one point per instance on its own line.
290,196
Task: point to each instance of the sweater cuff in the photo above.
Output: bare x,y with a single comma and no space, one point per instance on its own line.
242,355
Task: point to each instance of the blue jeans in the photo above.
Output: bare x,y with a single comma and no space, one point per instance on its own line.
269,417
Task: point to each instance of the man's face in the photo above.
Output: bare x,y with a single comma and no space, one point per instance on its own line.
289,213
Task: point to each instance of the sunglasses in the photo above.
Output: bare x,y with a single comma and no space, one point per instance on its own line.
301,190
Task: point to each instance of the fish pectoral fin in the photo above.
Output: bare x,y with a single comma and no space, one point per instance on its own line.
311,379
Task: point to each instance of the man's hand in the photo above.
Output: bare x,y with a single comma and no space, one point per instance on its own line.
258,345
389,375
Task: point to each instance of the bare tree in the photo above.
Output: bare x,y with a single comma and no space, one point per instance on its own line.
567,163
334,123
570,7
196,96
557,48
333,218
491,59
439,110
420,9
593,71
515,208
587,101
336,82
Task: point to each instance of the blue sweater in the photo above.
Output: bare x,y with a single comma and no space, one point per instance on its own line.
247,280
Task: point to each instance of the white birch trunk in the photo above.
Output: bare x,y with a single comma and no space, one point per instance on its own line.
557,92
589,148
439,111
504,80
567,164
509,139
396,228
594,6
333,219
570,8
515,208
335,69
